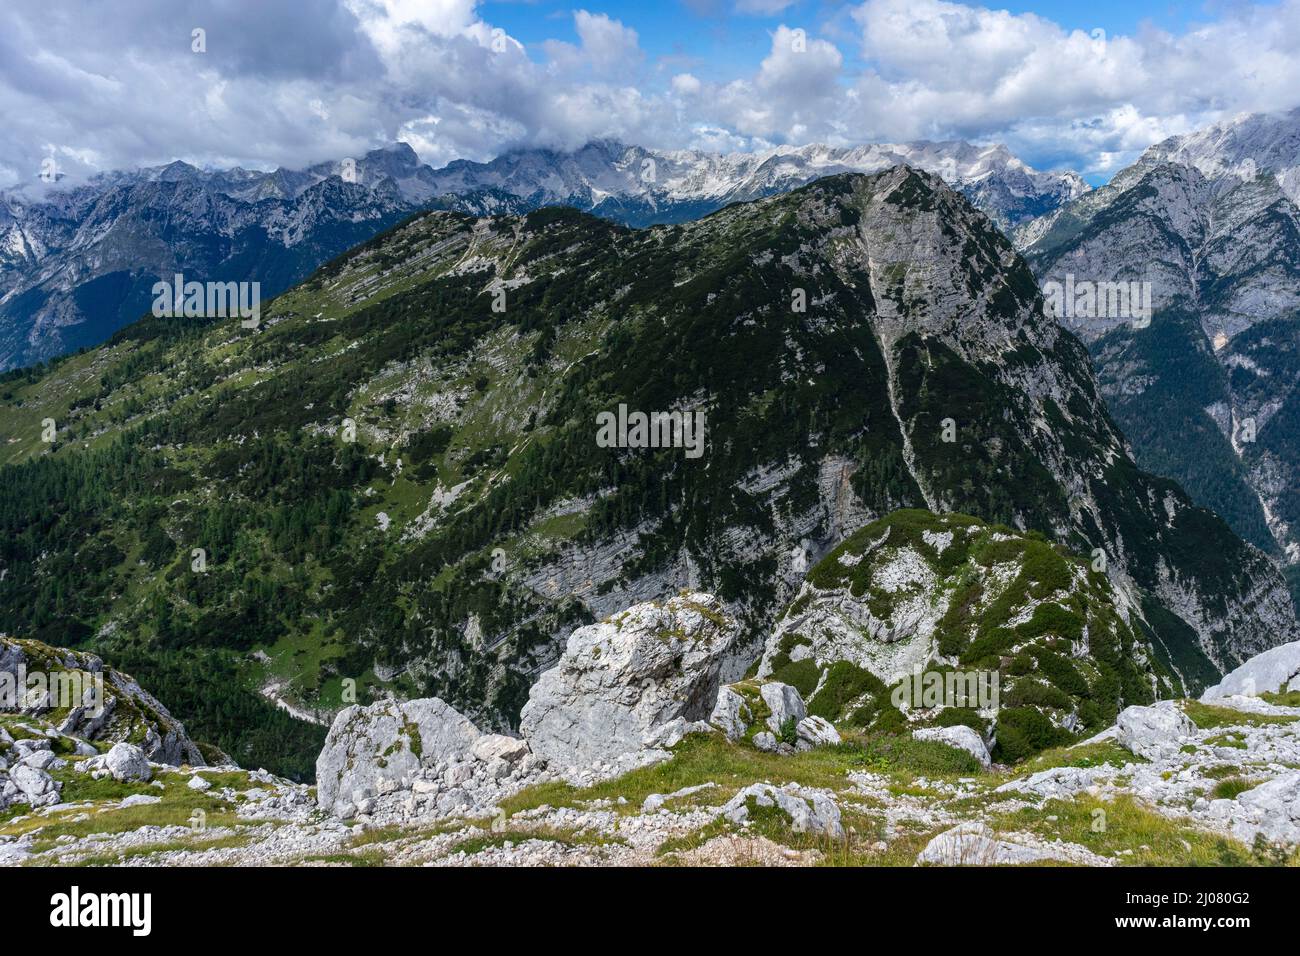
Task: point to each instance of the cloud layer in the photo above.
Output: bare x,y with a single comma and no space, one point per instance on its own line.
100,86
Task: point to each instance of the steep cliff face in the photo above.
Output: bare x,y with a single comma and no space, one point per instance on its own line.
1205,384
438,434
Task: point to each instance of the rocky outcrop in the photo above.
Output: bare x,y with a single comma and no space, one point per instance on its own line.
1277,669
64,686
809,811
619,680
917,592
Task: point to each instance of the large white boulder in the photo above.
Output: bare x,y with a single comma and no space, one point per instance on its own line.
963,738
127,762
1154,732
378,749
1276,669
33,786
619,680
1273,809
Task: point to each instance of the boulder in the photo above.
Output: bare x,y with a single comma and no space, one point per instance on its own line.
619,680
809,811
816,732
34,787
1273,809
784,703
379,748
731,714
43,760
974,844
127,762
1059,783
963,738
491,747
1154,732
1276,669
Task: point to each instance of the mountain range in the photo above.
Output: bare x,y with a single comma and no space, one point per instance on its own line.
78,264
396,484
1205,388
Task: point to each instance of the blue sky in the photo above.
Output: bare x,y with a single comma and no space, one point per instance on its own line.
1083,86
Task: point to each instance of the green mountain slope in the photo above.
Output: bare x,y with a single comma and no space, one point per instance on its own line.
396,481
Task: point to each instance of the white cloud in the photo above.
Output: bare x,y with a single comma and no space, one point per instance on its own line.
106,86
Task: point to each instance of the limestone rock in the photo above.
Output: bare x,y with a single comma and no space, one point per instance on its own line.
1154,732
973,844
619,680
1273,809
730,714
1277,669
127,762
784,703
491,747
124,711
963,738
378,748
809,811
817,732
35,787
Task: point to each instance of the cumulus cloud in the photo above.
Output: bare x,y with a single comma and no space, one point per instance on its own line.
99,86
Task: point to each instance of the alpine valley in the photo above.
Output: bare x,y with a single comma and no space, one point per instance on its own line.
392,490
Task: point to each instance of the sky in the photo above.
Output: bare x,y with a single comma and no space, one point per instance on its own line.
94,85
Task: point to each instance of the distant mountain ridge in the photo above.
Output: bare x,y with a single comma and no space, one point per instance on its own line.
1208,392
78,265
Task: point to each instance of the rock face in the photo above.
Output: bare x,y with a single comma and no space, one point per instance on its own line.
618,681
376,750
1277,669
731,714
963,738
1154,732
784,703
128,712
1211,220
